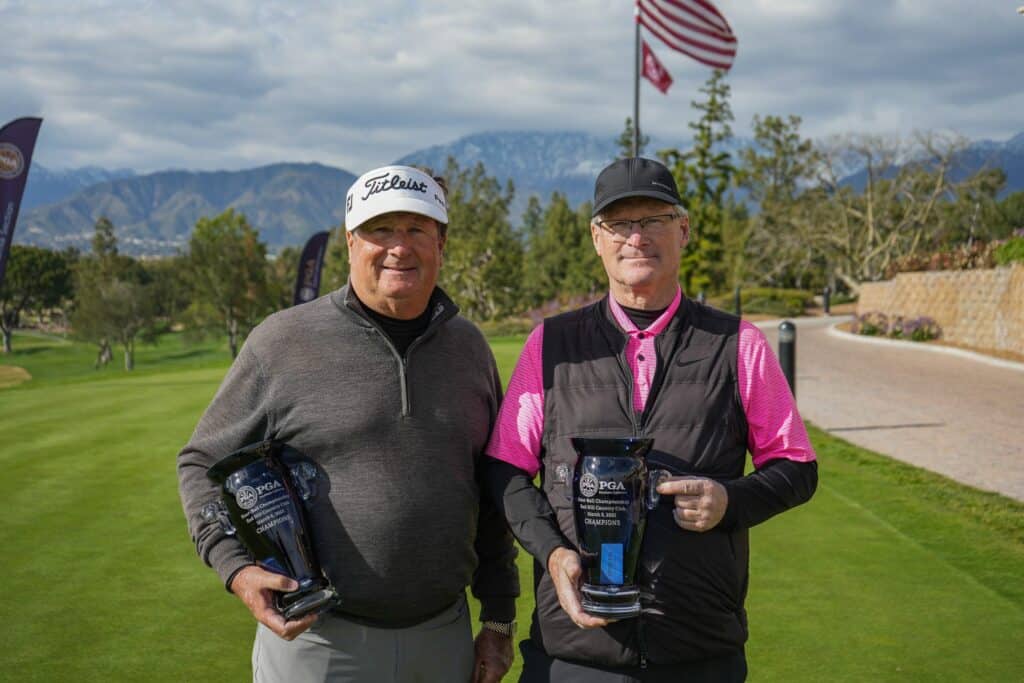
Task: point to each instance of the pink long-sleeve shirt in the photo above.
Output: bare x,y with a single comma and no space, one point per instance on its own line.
775,428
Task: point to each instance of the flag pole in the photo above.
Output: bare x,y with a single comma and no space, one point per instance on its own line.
636,85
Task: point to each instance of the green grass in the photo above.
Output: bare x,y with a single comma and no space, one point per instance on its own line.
53,360
889,573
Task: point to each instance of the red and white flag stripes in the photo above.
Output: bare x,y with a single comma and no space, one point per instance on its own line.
694,27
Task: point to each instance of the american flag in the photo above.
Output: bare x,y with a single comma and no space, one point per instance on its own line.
694,27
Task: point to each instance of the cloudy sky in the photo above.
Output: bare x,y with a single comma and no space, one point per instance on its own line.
358,83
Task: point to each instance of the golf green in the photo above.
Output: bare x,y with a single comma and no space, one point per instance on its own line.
888,573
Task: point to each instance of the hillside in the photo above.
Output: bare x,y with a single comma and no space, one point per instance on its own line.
155,213
47,186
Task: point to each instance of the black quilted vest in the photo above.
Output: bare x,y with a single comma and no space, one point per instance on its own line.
692,584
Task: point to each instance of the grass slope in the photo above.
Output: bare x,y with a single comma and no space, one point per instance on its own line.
889,573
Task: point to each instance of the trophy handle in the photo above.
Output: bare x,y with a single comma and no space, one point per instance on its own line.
655,477
218,512
304,476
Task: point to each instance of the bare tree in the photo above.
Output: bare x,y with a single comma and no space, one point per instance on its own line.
888,210
115,310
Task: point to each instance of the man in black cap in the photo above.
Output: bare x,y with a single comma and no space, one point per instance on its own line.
648,362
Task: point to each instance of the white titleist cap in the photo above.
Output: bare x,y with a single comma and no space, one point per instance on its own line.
394,188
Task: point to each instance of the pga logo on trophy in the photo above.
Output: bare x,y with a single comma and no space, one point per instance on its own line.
613,491
264,488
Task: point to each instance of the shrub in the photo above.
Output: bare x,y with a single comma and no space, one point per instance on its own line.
874,323
839,298
506,327
1010,250
767,301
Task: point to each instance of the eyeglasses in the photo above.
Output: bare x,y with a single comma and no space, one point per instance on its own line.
650,226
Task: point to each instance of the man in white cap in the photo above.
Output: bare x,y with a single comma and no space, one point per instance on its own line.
392,395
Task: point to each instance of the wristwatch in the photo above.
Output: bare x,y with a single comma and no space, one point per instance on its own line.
505,628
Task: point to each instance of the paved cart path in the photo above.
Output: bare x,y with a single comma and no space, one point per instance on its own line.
958,416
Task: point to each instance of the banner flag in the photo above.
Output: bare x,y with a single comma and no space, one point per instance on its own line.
307,282
654,71
694,27
17,141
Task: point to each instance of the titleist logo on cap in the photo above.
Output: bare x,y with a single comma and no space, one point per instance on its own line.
394,189
387,181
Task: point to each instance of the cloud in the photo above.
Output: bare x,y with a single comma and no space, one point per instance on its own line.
897,65
235,84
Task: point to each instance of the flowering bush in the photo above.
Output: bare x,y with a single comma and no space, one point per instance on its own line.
922,328
873,323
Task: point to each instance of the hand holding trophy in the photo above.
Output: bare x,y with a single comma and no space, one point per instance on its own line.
612,492
264,487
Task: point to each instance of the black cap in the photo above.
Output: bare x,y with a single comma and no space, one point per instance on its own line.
634,177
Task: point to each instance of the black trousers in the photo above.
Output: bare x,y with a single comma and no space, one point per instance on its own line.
540,667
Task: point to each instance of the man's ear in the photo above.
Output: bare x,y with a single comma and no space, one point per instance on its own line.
684,225
349,240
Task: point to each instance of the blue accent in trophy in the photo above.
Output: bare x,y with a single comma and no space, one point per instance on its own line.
612,492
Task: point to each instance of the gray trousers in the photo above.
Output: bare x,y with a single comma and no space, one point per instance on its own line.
338,650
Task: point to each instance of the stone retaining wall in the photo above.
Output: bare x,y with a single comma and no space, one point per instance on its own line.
979,308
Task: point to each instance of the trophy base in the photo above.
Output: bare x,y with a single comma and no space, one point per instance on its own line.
294,606
611,602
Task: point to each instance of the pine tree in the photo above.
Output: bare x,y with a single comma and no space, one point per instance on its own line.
336,266
533,290
704,174
625,141
775,170
586,274
483,262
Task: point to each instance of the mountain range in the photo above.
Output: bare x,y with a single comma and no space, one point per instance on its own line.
51,186
154,214
1009,156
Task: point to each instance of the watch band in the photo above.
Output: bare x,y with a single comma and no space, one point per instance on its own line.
505,628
